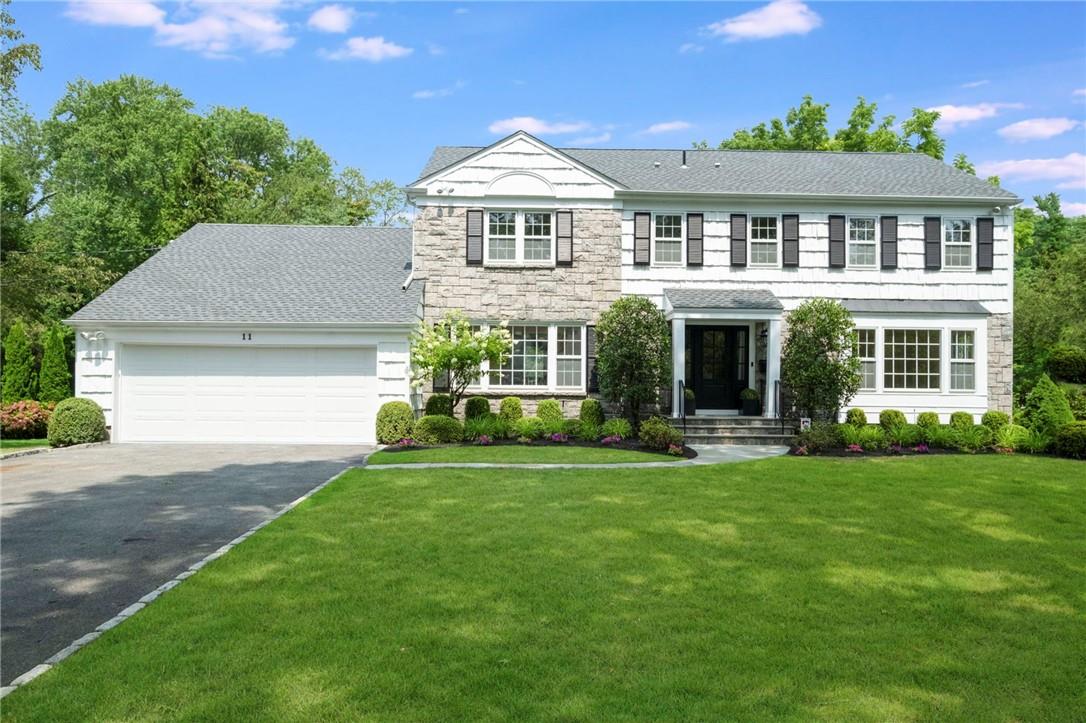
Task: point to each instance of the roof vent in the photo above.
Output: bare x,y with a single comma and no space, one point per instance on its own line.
716,164
684,160
656,164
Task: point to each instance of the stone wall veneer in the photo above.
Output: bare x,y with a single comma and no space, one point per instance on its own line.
1001,362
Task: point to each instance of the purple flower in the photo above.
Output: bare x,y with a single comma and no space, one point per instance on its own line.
921,449
896,449
800,451
613,439
855,449
407,442
559,437
484,440
675,450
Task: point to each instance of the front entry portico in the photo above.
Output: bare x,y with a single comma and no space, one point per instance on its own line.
724,341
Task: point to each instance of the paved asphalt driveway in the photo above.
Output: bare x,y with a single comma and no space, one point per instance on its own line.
86,532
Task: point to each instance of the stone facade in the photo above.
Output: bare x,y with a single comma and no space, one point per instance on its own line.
1001,362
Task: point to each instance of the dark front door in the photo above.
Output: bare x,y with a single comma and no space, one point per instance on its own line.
720,361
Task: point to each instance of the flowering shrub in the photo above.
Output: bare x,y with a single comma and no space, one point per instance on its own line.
25,420
854,449
896,449
407,442
559,437
800,451
611,439
484,440
921,449
675,450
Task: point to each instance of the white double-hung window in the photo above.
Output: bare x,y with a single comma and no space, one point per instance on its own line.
764,240
544,356
963,363
668,238
861,242
957,243
569,356
520,237
865,352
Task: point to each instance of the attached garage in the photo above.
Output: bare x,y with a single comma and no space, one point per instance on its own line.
253,334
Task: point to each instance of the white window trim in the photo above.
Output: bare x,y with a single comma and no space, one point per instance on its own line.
682,240
551,386
849,242
874,359
751,241
972,242
944,354
951,360
518,243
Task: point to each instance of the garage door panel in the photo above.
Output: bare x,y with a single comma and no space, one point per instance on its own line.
239,394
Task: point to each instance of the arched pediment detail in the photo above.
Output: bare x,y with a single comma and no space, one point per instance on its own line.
520,183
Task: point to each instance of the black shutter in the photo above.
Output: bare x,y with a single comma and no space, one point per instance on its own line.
564,232
695,239
790,239
475,238
642,227
590,358
739,239
888,236
933,252
837,242
985,244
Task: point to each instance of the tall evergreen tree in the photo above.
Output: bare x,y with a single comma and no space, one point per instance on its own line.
55,378
18,366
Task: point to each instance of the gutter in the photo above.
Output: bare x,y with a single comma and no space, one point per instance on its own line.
180,324
999,200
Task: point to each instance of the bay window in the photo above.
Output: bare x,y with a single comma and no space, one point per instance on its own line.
520,237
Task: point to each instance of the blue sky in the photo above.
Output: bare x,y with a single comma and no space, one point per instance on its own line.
379,84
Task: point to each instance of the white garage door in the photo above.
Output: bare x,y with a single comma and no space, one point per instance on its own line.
299,395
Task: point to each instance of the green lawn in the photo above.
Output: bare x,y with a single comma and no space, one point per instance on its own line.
10,445
940,588
517,454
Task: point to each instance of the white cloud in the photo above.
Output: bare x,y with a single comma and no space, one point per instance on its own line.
435,49
1073,209
976,83
780,17
668,127
1037,129
1078,184
438,92
1070,169
537,127
952,116
137,14
1078,93
461,11
332,19
687,48
373,49
591,140
213,29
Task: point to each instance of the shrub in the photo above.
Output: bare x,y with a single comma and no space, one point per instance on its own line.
995,421
926,420
76,421
55,378
907,435
972,438
1035,442
1010,437
549,410
453,350
1076,399
961,420
395,421
554,426
873,437
490,425
891,419
572,428
656,433
849,434
510,410
1070,441
590,432
617,428
26,419
19,380
529,428
633,353
941,437
439,405
438,429
856,417
592,412
1046,409
476,407
749,395
1067,363
818,365
821,436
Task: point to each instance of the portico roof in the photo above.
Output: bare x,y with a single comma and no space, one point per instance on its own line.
746,299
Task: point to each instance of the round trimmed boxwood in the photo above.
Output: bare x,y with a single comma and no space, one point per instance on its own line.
76,421
856,417
395,421
1071,441
891,419
656,433
927,420
1067,363
510,409
476,407
549,410
995,421
438,429
592,412
439,404
961,421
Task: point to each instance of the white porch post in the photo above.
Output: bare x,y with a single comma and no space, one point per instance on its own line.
678,362
773,366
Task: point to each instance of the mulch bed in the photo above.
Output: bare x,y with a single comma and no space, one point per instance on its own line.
631,445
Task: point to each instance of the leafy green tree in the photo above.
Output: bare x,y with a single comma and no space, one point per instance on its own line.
921,126
14,56
55,377
451,347
961,162
18,377
858,135
633,354
818,363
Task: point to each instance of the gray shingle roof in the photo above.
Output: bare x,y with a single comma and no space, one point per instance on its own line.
268,274
910,306
722,299
912,175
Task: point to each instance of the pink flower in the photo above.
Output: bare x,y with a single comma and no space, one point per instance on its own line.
484,440
855,449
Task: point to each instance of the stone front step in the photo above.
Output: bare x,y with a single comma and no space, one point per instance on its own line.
782,440
737,430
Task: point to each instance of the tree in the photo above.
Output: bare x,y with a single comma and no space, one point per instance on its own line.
961,162
18,377
633,354
818,363
921,125
14,56
451,347
55,378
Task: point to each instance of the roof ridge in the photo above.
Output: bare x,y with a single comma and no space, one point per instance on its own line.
303,225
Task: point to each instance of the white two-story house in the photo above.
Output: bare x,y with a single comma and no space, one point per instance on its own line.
299,333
